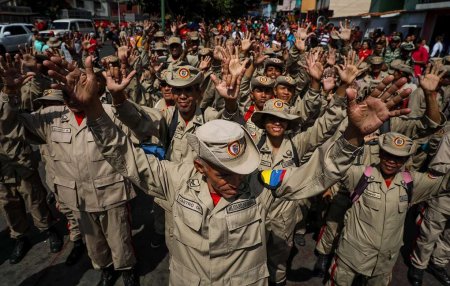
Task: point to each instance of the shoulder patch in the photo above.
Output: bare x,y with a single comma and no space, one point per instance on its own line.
192,183
189,204
272,179
242,205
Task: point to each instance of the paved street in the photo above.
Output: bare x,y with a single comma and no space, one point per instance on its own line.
40,268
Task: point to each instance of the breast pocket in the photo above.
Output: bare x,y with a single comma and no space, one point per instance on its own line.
187,224
369,207
61,145
244,228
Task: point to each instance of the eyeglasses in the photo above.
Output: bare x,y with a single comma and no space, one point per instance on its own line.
183,90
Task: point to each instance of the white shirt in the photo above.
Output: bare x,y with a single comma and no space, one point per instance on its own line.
437,49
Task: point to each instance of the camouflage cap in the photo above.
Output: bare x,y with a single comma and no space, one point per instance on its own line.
226,145
174,40
285,80
407,46
278,108
397,144
184,76
396,39
262,81
51,95
375,60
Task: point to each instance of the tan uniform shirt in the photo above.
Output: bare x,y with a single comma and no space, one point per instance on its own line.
225,244
373,231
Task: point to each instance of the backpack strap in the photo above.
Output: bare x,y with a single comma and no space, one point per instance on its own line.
261,141
362,184
409,184
295,153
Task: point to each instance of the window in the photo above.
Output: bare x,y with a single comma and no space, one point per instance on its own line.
60,25
15,30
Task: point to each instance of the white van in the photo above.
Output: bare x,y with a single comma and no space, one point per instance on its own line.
59,27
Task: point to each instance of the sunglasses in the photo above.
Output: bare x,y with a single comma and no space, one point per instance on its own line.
183,90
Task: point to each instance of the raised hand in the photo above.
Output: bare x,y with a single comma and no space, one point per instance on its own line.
229,93
116,82
205,63
302,32
331,57
86,43
246,43
313,65
81,88
368,115
29,62
11,75
346,31
236,67
433,74
350,69
218,52
258,55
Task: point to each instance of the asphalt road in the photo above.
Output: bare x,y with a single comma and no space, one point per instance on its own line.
41,268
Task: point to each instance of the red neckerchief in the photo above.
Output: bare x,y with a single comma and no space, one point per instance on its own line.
79,116
388,182
249,113
215,198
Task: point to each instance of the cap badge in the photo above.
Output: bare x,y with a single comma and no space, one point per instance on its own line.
278,104
234,148
399,142
184,73
263,79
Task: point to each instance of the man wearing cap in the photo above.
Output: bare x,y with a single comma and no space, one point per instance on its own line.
373,231
159,37
374,77
54,97
219,203
177,56
83,180
280,150
432,245
393,50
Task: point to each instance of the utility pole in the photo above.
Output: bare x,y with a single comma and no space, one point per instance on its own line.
163,15
118,11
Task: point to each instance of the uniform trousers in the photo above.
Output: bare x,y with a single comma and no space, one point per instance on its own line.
343,275
433,242
16,198
108,237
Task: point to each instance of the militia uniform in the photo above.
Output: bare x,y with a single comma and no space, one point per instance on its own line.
223,244
373,232
432,247
283,215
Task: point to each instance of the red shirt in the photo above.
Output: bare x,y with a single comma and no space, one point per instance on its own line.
79,116
215,198
93,45
419,55
388,182
363,54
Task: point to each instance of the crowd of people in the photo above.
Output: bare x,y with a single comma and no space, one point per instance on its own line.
239,130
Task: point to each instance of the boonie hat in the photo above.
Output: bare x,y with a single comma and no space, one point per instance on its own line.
399,65
285,80
159,34
262,81
274,62
159,47
174,40
397,144
376,60
184,76
51,95
226,145
193,35
407,46
277,108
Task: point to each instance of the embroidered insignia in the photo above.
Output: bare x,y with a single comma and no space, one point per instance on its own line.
193,183
60,129
289,153
189,204
239,206
184,73
287,163
265,163
263,79
278,104
404,198
272,179
64,117
234,148
399,141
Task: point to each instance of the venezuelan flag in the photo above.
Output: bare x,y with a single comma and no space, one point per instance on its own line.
272,179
